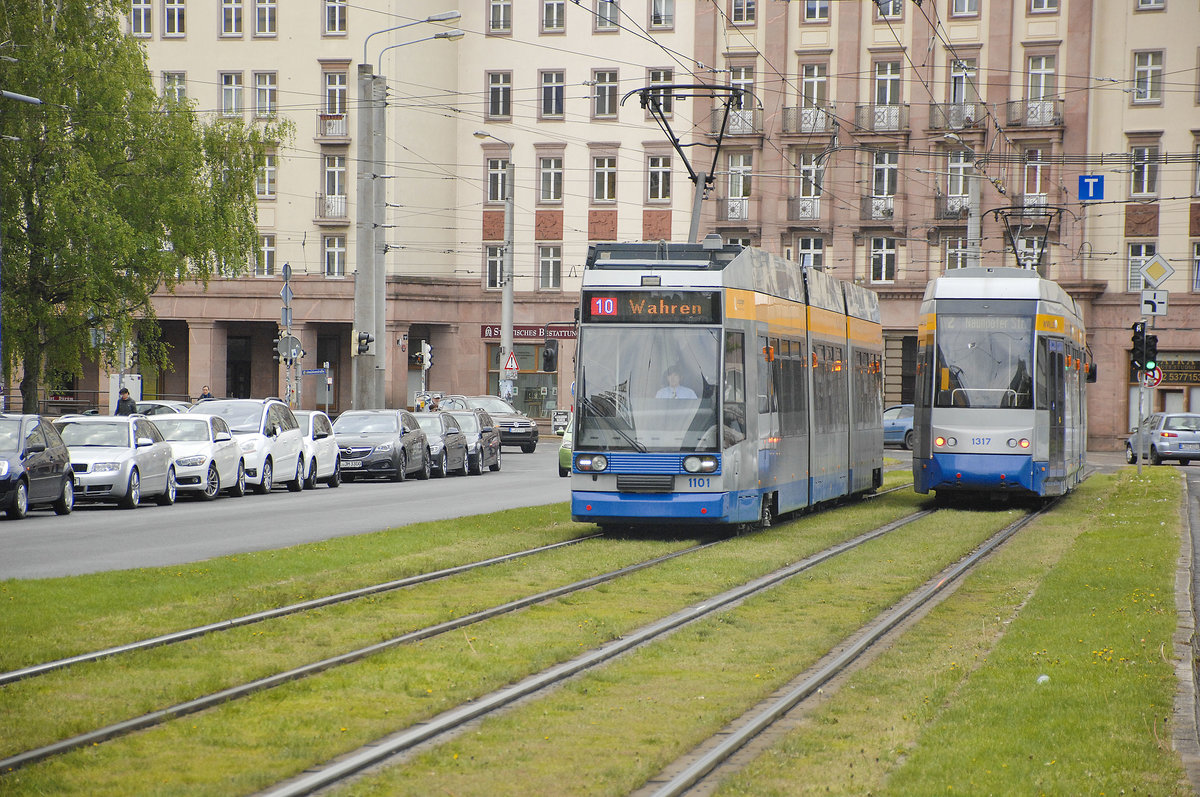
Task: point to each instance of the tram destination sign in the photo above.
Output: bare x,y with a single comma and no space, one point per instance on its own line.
652,307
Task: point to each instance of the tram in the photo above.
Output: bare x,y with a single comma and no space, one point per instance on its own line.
1002,372
721,384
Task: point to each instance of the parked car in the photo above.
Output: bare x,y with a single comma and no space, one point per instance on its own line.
35,467
898,426
269,436
381,443
207,458
153,408
1163,436
320,449
483,439
516,429
567,450
121,458
447,443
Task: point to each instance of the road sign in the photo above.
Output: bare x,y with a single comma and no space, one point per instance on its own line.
286,293
1091,187
1156,271
308,371
287,271
1152,377
1154,302
511,368
289,347
285,316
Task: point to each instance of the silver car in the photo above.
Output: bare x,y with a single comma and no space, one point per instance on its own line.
118,458
1165,435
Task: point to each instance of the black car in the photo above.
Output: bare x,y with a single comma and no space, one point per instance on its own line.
483,439
516,428
447,443
373,443
35,467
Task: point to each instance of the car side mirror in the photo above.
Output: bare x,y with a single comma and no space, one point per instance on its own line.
221,437
35,448
144,441
320,435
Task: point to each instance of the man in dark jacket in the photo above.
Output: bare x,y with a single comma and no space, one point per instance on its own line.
125,404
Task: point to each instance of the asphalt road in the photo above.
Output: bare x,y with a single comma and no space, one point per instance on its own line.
99,537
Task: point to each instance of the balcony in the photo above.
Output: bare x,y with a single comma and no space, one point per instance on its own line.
951,207
737,210
1035,113
811,119
881,118
332,208
332,125
877,208
955,116
741,122
804,208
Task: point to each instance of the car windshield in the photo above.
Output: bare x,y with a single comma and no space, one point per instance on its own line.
10,433
467,422
75,433
493,405
1183,423
430,424
242,417
182,429
365,423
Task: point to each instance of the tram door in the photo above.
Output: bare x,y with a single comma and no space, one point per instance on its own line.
1058,408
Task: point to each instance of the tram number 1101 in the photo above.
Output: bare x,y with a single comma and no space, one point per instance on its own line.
699,481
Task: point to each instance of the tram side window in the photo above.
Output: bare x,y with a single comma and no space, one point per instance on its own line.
1043,375
733,391
789,366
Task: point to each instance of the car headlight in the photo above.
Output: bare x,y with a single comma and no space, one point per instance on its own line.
434,448
383,448
105,467
191,462
249,446
3,468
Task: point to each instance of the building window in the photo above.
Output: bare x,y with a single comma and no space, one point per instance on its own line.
958,172
1036,178
1139,253
658,173
812,173
816,10
608,15
812,248
175,86
889,9
1196,267
814,85
885,168
554,16
956,253
963,89
887,83
553,84
174,18
335,176
140,19
336,88
606,93
662,13
494,266
1043,6
659,80
497,171
1042,77
1196,177
883,260
499,95
266,21
1143,180
1151,5
231,93
266,92
964,8
500,16
743,12
264,256
550,268
335,17
550,179
231,17
264,186
1148,77
604,179
741,170
335,255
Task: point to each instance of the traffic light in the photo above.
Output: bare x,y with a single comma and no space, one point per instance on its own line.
365,339
426,355
1138,353
1151,357
550,355
276,354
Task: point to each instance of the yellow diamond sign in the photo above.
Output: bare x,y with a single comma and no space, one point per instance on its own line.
1155,271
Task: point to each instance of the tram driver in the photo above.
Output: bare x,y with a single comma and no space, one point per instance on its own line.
673,389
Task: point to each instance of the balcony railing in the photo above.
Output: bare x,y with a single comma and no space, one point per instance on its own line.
737,209
1034,201
804,208
878,208
955,116
954,206
332,206
881,118
332,125
1035,113
811,119
742,122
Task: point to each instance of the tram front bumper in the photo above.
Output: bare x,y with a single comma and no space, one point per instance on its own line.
977,472
675,508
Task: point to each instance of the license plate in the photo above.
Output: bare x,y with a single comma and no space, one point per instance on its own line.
1189,446
351,463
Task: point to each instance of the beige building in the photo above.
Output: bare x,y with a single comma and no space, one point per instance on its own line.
885,141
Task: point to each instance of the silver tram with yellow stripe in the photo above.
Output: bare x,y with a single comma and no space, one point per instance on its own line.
721,384
1002,373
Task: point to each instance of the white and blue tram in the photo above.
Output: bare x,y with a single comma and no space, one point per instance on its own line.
721,384
1002,373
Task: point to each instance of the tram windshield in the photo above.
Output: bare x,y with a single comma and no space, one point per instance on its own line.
648,388
984,356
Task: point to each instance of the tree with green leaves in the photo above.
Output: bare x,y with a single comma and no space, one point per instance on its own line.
108,191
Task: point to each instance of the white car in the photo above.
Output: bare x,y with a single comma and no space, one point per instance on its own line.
207,458
320,449
269,436
120,458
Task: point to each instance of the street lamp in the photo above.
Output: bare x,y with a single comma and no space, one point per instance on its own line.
506,262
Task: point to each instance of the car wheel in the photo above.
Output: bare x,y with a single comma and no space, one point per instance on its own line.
908,439
528,448
19,507
443,465
564,471
336,479
475,461
239,484
426,466
268,476
1155,459
401,468
297,484
310,481
465,468
1185,462
1130,457
133,495
168,494
212,483
66,500
495,466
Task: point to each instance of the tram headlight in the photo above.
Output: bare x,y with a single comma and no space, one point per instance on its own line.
1015,443
700,464
593,463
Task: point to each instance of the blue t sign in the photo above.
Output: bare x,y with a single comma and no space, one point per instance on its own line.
1091,187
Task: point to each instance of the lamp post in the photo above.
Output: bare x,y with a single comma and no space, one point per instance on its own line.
370,279
506,262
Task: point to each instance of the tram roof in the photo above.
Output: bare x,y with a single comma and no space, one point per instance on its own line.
996,283
663,254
